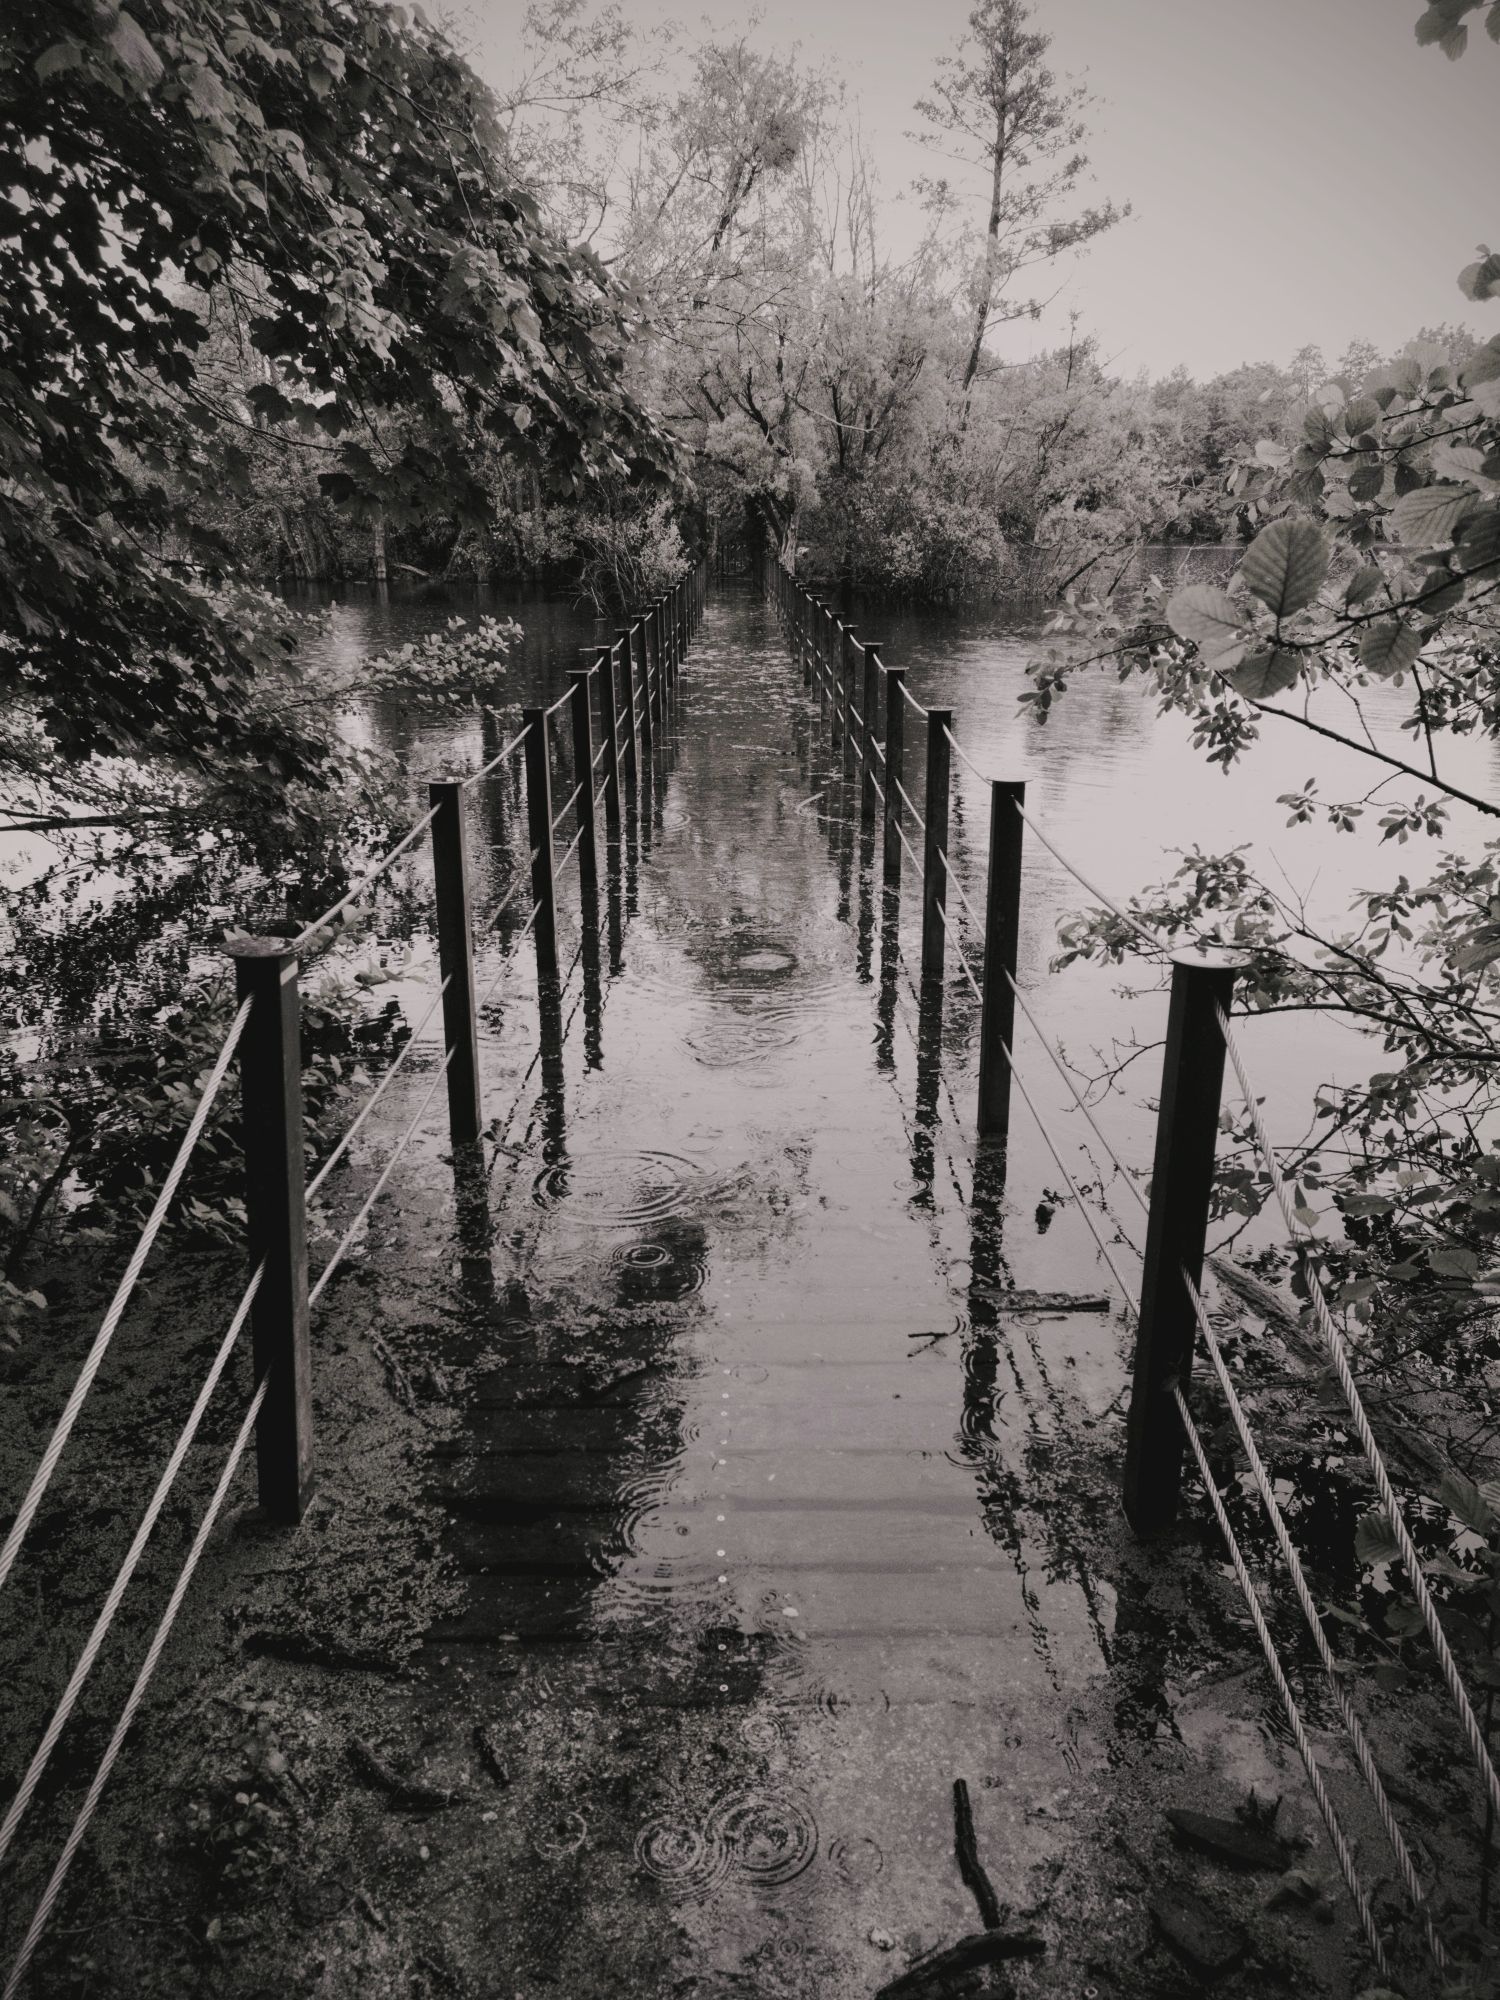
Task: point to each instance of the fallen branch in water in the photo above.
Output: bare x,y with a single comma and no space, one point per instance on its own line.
405,1791
985,1948
969,1864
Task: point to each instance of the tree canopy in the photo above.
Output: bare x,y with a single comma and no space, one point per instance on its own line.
319,183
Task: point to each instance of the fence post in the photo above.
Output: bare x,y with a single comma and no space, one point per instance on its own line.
848,653
869,694
609,726
455,930
632,753
276,1221
583,773
1002,938
643,699
935,843
539,833
1187,1126
895,753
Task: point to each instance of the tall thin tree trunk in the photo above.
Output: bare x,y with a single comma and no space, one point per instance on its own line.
992,244
377,536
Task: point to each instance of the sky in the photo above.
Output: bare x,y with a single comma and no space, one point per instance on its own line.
1300,170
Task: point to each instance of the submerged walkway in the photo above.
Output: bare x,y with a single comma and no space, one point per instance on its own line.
739,1490
764,1519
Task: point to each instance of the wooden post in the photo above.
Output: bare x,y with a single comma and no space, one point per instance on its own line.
869,696
609,726
276,1221
895,752
849,653
583,772
1187,1128
627,703
643,696
455,930
935,843
1002,935
539,833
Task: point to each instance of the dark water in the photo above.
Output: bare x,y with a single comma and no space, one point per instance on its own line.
745,1415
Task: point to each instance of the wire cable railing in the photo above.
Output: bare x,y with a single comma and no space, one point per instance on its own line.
568,804
26,1790
1362,1752
506,750
134,1699
1338,1354
26,1512
1289,1703
1173,1388
267,969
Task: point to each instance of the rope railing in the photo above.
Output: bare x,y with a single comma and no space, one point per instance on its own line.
26,1512
1362,1752
567,805
316,1290
963,756
1289,1705
412,1043
134,1699
1062,1069
1078,875
1201,985
267,972
484,771
910,807
26,1790
1338,1354
366,881
911,701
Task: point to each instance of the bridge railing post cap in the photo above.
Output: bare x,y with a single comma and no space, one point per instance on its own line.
260,947
1211,958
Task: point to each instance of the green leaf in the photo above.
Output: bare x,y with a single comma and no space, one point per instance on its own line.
1432,514
1374,1542
1211,620
1478,551
1440,594
133,49
1464,1501
61,56
1365,583
1286,563
1266,672
1389,647
1366,481
1452,1261
1481,279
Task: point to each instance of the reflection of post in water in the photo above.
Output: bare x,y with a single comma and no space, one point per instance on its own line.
846,796
614,903
865,931
554,1120
475,1226
929,1083
632,853
593,993
987,1272
890,964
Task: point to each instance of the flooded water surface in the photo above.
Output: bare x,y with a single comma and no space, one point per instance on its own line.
775,1514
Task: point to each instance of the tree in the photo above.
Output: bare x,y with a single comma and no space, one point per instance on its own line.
996,106
323,176
1375,562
